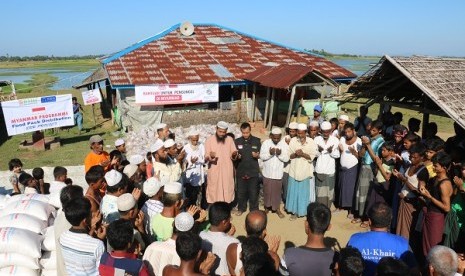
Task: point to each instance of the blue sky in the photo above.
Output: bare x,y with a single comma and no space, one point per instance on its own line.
395,27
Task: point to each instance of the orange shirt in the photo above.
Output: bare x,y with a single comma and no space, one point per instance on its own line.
93,159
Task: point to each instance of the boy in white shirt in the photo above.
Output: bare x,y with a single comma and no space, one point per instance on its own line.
116,186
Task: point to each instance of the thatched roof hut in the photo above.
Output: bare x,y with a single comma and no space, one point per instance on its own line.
425,84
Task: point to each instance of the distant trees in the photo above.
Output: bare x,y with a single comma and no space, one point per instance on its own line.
324,53
45,58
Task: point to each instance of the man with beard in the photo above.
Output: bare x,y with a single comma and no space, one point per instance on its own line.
313,129
220,151
163,131
274,153
302,151
97,156
292,133
160,162
247,169
325,167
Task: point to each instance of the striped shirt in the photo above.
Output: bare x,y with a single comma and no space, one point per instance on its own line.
81,252
150,209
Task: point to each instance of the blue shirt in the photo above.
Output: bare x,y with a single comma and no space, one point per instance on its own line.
375,245
376,144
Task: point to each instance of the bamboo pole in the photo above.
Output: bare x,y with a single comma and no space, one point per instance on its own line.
254,101
271,108
268,90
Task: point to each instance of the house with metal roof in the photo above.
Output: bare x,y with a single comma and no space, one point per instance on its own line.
429,85
147,76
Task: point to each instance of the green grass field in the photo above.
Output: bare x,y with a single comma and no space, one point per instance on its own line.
77,64
74,145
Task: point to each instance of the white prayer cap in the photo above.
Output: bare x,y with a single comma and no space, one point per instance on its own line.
130,170
158,145
325,125
344,117
113,177
314,123
293,125
119,142
173,188
136,159
152,186
169,143
222,125
276,131
302,127
193,132
184,222
161,125
126,202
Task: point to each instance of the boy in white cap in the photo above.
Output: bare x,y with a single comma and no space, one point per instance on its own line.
127,209
193,162
162,223
116,186
220,152
120,145
139,161
302,151
162,253
153,188
292,132
163,131
174,159
325,167
274,154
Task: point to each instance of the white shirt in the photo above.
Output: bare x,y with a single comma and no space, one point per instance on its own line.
56,186
81,253
301,168
165,172
109,208
217,243
160,254
326,163
194,171
273,165
348,160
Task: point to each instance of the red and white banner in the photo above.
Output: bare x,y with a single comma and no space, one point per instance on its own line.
177,94
91,96
32,114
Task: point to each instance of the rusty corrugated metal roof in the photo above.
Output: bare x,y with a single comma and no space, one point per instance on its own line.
211,54
281,76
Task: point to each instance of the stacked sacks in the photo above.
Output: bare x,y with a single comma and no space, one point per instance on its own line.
22,222
139,142
48,262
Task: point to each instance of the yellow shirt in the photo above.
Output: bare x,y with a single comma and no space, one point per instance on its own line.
301,168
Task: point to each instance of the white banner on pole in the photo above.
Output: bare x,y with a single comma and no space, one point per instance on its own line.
91,96
32,114
177,94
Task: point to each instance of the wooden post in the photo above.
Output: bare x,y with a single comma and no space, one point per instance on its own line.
291,105
268,90
271,108
93,110
254,101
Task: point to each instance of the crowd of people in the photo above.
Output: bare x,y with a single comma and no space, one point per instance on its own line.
169,211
